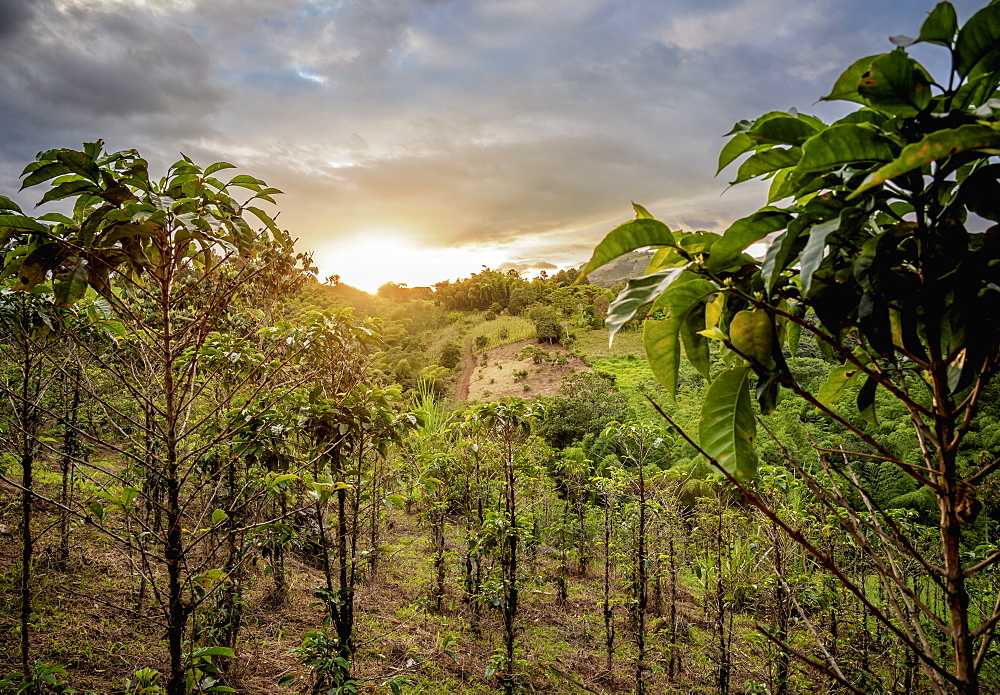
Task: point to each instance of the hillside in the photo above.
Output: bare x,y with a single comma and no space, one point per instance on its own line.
630,265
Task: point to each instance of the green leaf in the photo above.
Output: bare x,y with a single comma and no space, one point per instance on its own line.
58,218
786,130
80,163
638,291
812,254
20,223
866,401
44,173
218,166
641,212
939,145
218,516
977,49
96,509
727,429
779,254
751,334
695,343
767,161
744,232
8,204
897,84
265,218
837,381
661,338
244,181
628,237
981,192
846,87
736,146
844,144
940,25
69,290
69,188
212,651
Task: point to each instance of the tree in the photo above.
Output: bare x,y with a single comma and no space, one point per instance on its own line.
880,258
506,426
547,326
169,257
587,403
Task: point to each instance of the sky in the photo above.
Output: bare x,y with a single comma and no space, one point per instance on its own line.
418,140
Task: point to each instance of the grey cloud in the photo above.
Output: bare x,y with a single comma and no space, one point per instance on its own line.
530,124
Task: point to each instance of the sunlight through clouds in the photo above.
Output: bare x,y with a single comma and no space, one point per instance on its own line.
374,257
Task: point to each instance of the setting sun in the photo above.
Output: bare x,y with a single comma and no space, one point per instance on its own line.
377,256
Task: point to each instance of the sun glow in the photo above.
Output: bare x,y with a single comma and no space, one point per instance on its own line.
374,257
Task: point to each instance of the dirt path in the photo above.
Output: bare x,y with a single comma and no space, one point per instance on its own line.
468,365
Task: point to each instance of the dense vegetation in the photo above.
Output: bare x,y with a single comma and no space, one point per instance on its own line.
220,475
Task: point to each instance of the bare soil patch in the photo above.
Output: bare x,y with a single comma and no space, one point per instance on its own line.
502,372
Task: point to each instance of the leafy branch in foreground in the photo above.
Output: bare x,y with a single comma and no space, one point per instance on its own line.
878,250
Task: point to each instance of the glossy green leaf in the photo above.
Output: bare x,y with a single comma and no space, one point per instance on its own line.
21,223
212,651
897,84
844,144
69,188
752,335
812,254
744,232
866,401
837,381
846,87
727,429
8,204
778,189
940,25
778,256
936,146
661,338
245,181
766,162
737,145
218,516
638,291
263,217
58,218
786,130
695,343
640,212
977,48
218,166
44,173
664,258
80,163
630,236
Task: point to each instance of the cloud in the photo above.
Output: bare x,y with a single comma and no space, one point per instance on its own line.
521,124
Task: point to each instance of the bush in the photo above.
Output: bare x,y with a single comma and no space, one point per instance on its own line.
451,355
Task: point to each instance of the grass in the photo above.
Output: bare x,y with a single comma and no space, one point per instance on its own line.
500,331
595,344
631,373
503,330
